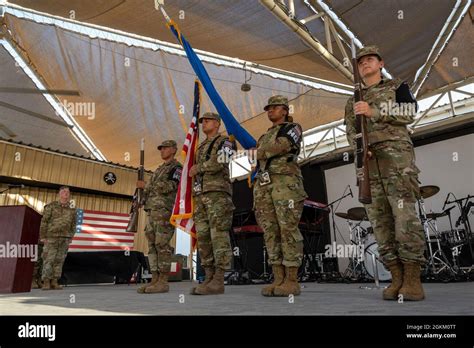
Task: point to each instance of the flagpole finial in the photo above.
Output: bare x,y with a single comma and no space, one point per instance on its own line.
159,3
159,6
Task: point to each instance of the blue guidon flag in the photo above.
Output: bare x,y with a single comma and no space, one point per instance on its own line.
233,127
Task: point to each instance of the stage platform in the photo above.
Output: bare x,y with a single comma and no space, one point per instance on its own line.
315,299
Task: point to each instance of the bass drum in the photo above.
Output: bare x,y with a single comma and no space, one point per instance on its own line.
371,248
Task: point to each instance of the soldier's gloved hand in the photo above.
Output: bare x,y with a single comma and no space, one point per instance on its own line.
140,184
362,108
194,170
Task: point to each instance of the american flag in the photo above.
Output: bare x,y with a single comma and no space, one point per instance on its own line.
183,205
101,231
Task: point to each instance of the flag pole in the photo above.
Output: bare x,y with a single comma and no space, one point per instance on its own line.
159,6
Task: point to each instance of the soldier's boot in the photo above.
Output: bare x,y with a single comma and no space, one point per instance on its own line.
278,278
160,286
209,274
46,284
215,286
154,279
290,285
412,290
35,284
55,285
396,269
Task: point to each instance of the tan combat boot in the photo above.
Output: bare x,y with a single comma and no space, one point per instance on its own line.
160,286
46,284
396,269
215,286
154,279
290,286
35,284
55,285
411,290
209,274
278,277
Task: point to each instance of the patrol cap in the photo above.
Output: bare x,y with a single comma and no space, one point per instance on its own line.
210,115
168,143
368,50
276,100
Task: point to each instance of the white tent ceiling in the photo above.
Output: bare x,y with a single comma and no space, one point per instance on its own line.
139,92
144,99
405,30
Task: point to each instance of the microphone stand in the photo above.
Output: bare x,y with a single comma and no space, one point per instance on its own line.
8,188
332,213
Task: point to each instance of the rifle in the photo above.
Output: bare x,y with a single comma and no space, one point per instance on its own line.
362,144
138,195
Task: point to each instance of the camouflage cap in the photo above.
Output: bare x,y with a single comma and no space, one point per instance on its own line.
276,100
368,50
210,115
168,143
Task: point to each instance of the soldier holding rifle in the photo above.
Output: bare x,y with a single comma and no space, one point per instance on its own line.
388,107
159,197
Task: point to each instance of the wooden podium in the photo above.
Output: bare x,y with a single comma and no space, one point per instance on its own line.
19,234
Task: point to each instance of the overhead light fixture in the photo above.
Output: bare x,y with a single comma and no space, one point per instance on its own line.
246,86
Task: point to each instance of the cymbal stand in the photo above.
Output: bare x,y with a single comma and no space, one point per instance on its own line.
438,257
355,269
377,286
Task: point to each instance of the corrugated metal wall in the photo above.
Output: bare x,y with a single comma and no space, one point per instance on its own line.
37,165
29,163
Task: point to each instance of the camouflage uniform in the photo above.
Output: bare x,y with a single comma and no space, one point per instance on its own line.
159,198
279,204
38,267
58,226
392,170
213,200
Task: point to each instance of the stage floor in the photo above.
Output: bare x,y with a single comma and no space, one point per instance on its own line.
315,299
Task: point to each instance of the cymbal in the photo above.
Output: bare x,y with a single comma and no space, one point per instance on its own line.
428,191
357,214
434,216
343,215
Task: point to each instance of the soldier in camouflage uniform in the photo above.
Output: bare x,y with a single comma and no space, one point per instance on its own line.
159,198
213,204
38,268
389,107
279,197
58,226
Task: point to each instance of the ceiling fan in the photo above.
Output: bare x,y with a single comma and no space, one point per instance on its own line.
36,91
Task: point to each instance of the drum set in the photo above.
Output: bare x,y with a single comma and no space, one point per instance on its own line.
366,266
443,249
